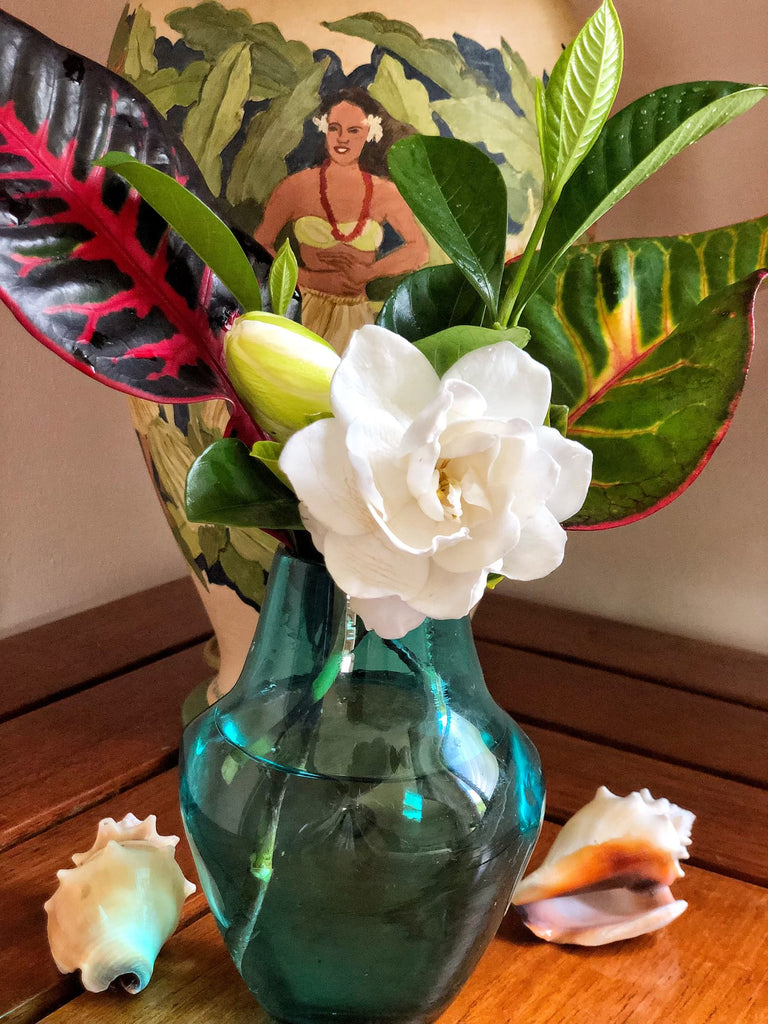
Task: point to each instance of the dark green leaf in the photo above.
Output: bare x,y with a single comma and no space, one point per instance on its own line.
228,487
447,347
633,144
458,194
429,301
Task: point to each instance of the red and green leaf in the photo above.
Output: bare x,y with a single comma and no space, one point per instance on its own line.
648,342
86,266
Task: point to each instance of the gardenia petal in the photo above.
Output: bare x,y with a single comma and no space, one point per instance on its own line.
539,551
380,369
390,617
368,566
510,381
575,463
315,461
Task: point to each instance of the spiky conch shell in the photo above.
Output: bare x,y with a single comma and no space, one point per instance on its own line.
113,911
608,872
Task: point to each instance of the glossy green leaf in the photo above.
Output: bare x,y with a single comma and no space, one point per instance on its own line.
633,144
429,301
580,94
269,452
648,343
195,222
458,194
226,486
446,347
283,277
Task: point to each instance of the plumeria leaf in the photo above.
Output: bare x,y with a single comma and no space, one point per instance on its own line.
494,579
205,233
226,486
648,342
86,265
447,347
283,277
459,196
268,452
634,143
580,94
429,301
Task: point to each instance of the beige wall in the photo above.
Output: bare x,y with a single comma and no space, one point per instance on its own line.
80,524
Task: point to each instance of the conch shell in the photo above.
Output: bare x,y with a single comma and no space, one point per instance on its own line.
113,911
608,873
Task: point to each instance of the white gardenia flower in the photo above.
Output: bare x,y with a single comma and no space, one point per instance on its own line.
421,485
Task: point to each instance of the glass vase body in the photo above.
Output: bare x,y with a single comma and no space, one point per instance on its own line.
360,810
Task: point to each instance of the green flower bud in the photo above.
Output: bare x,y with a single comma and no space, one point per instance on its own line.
281,372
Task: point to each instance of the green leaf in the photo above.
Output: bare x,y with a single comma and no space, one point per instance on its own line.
216,118
198,225
226,486
430,300
447,347
269,453
580,94
459,196
283,276
558,418
633,144
648,342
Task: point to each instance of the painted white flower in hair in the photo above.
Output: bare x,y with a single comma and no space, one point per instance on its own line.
419,486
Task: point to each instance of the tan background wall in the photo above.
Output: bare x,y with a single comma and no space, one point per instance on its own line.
80,524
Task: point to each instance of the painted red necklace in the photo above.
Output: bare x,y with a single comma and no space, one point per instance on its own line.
365,210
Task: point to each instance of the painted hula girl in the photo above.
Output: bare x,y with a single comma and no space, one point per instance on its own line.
338,211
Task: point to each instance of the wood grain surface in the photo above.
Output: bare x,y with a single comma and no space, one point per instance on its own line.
74,652
75,752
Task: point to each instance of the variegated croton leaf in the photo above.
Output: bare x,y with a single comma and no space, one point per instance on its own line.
85,265
648,342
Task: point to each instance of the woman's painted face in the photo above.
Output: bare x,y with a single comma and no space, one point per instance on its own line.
347,133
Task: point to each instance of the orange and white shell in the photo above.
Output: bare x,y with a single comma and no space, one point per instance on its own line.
608,873
113,911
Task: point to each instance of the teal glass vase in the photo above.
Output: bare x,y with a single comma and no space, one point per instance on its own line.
359,809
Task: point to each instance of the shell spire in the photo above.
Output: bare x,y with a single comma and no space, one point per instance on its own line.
113,911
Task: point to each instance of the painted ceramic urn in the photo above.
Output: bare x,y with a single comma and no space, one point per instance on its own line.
289,109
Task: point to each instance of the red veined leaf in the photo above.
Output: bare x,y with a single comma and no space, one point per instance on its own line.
648,342
85,264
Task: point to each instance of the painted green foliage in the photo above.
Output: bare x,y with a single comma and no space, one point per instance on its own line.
254,91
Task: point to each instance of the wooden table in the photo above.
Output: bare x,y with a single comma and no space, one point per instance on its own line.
89,728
